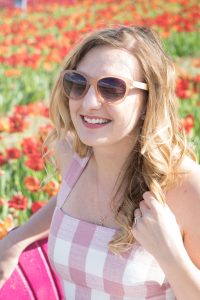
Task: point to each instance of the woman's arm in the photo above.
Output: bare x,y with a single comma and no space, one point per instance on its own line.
158,232
12,245
183,276
37,227
171,233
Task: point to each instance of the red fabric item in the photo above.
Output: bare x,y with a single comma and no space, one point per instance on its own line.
33,278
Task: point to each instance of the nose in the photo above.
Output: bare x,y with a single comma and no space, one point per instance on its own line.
90,100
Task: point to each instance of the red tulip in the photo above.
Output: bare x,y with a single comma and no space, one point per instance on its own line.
17,123
35,162
18,202
37,205
3,159
183,88
13,153
188,123
31,146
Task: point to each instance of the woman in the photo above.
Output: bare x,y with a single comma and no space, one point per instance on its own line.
126,223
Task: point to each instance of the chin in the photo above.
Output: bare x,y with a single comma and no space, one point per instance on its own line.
95,142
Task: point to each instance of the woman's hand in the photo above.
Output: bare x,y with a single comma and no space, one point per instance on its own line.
156,229
9,257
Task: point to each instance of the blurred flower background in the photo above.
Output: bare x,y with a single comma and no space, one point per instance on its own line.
33,44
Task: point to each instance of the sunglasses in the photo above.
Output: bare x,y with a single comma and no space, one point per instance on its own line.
109,89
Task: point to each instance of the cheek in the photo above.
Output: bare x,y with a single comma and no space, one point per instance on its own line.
130,111
73,107
72,112
136,107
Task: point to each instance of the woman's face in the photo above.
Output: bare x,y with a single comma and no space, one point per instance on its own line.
123,117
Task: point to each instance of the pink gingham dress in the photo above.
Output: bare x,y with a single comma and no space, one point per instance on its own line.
79,254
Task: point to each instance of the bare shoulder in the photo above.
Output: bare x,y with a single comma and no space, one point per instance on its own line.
63,152
187,190
184,201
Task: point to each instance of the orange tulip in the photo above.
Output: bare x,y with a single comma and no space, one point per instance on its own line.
6,226
12,73
4,125
32,184
2,202
51,188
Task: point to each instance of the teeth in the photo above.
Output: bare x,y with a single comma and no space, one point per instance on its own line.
95,121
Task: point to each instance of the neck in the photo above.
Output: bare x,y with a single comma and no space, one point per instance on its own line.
108,163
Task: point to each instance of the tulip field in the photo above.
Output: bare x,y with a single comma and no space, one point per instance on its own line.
33,45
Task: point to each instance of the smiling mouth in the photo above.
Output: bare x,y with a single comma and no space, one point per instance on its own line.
95,120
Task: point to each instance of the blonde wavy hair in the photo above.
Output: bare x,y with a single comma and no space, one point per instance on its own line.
153,163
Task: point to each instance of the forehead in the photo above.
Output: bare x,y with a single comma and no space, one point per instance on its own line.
103,60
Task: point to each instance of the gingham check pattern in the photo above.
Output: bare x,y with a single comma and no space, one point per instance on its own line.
79,254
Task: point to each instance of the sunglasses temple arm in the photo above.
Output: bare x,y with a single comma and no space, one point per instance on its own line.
140,85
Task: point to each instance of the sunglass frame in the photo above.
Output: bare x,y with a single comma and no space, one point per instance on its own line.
130,84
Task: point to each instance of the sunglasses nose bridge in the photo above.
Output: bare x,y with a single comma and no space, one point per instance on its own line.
92,82
91,98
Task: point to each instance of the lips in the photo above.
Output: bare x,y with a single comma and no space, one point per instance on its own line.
94,122
95,119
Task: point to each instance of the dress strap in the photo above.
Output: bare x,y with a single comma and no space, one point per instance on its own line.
76,167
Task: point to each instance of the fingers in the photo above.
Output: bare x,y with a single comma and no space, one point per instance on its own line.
151,201
146,207
137,213
148,198
143,207
137,216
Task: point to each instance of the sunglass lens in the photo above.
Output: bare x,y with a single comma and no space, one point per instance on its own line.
111,88
74,84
